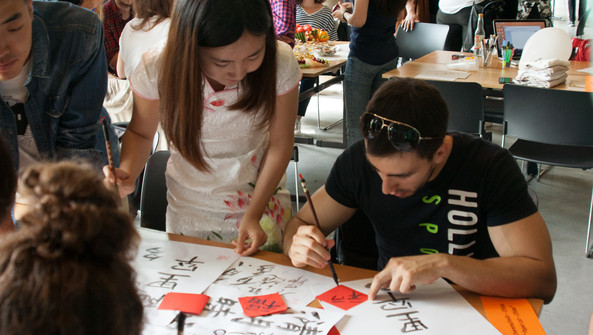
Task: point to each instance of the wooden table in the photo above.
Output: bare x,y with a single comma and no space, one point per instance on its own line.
347,273
485,76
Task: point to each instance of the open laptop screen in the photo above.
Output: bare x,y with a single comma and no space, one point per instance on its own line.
517,32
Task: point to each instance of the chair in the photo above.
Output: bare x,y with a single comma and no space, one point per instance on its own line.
466,106
153,198
552,127
422,40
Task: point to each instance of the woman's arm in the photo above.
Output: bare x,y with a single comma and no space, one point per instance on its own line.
136,144
120,67
272,169
358,17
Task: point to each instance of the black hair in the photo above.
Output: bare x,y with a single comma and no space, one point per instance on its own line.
415,103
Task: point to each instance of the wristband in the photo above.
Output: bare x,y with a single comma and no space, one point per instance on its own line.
344,17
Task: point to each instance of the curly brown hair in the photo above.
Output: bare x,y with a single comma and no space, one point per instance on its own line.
66,270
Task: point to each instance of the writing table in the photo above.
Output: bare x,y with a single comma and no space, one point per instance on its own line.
485,76
346,273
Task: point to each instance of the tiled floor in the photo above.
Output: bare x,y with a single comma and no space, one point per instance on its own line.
564,198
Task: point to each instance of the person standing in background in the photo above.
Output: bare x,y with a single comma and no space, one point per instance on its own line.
317,15
148,28
116,13
92,5
373,51
284,15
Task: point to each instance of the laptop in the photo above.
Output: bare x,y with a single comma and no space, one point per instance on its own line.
516,32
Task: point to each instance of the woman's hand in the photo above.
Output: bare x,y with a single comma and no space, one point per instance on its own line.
125,184
251,237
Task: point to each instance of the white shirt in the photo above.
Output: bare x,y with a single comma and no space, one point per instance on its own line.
134,43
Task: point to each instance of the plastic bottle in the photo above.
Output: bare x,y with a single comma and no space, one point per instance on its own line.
479,35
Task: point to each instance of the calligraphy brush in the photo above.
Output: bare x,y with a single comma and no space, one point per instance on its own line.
109,152
180,323
308,196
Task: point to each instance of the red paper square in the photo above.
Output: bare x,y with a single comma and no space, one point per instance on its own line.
263,304
184,302
343,297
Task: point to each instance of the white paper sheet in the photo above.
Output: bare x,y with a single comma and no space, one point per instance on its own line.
223,315
164,266
588,70
253,276
442,75
430,309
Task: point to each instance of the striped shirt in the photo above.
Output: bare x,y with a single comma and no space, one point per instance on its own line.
321,19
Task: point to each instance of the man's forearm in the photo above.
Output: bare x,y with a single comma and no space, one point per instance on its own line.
513,277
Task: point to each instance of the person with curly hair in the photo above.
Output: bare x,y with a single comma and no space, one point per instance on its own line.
66,270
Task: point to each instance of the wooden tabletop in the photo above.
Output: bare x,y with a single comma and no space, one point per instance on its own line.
347,273
485,76
335,63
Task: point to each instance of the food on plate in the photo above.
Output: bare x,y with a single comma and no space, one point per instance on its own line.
306,60
325,50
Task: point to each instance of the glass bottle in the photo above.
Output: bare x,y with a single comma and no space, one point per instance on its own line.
479,35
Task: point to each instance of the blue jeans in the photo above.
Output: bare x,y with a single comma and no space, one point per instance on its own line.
361,80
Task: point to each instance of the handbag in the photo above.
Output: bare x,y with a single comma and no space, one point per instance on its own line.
581,49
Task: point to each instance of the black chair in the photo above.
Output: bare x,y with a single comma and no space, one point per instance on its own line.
466,106
552,127
422,40
153,198
355,243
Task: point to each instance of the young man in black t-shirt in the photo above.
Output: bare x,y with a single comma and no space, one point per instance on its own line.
441,204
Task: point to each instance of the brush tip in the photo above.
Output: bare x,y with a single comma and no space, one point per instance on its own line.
301,176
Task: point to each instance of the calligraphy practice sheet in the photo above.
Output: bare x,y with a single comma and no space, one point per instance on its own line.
257,277
223,315
430,309
164,266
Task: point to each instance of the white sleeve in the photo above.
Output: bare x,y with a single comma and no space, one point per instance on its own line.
288,73
145,78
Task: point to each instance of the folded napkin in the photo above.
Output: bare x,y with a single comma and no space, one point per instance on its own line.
535,82
550,73
541,64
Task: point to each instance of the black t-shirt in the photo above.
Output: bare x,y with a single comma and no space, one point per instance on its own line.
480,185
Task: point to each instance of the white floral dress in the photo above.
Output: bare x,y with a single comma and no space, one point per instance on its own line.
210,205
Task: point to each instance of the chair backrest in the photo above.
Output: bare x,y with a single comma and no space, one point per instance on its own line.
422,40
466,105
548,115
153,199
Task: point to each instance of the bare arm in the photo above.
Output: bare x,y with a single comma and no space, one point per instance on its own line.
411,16
136,144
303,242
272,169
358,17
120,66
525,268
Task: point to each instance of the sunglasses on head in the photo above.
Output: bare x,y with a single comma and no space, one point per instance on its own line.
402,136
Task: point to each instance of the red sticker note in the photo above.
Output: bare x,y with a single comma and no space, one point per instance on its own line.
343,297
184,302
262,305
